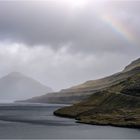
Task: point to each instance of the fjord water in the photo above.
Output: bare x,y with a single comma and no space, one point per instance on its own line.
37,121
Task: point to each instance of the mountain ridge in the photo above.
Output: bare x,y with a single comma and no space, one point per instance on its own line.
117,105
83,91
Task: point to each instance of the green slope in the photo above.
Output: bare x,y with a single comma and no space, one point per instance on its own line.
117,105
83,91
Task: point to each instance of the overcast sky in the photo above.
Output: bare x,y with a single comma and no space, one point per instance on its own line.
66,42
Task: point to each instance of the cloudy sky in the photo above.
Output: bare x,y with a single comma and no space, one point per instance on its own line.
66,42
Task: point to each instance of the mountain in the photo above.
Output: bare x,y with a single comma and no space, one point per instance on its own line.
16,86
133,65
83,91
117,105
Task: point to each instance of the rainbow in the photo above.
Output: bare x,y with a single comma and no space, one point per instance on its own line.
119,27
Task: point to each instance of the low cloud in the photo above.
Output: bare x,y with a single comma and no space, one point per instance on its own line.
61,44
58,68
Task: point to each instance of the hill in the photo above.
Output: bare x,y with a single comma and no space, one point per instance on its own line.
16,86
83,91
117,104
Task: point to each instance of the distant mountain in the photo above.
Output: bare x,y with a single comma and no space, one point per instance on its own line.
83,91
16,86
117,104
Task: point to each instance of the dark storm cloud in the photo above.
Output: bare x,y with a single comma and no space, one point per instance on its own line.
61,44
52,23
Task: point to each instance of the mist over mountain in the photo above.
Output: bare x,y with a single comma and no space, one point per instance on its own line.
17,86
68,41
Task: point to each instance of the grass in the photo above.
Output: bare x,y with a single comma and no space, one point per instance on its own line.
117,105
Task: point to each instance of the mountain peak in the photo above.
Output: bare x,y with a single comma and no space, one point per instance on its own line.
132,65
17,86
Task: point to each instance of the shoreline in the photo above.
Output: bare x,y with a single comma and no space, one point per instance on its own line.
94,122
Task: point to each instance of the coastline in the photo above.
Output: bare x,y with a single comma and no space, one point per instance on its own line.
123,124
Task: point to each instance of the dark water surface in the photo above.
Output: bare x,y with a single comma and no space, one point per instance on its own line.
37,121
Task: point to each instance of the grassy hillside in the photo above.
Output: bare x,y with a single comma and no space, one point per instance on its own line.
83,91
117,105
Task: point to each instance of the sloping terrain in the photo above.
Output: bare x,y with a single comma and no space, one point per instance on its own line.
117,105
132,65
16,86
83,91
